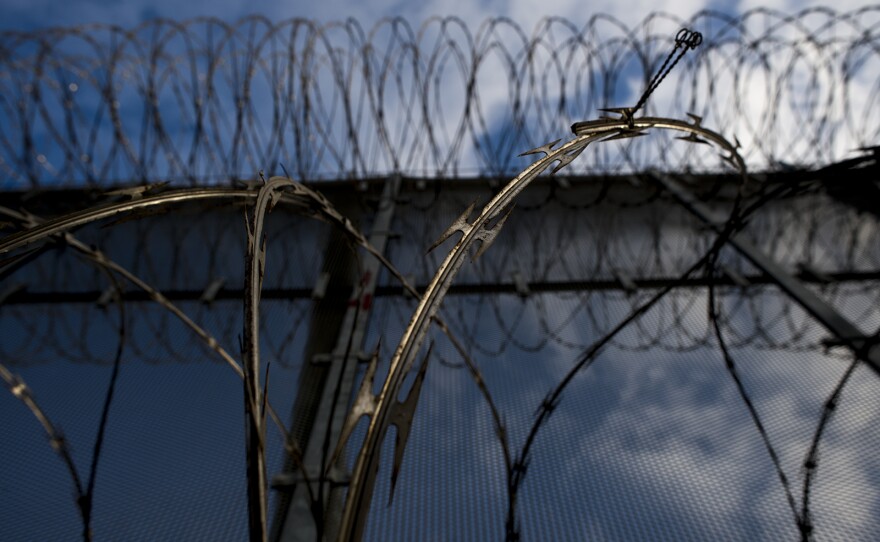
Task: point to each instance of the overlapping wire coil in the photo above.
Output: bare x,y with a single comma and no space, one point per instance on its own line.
662,438
203,101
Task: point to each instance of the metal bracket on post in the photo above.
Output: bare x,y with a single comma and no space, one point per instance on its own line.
625,281
332,406
210,293
813,273
522,287
320,289
109,295
842,329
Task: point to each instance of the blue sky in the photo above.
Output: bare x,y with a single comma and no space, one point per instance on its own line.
489,137
639,431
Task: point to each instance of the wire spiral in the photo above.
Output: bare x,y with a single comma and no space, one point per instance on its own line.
588,268
204,101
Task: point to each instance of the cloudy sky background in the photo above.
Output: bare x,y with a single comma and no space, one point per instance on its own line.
664,437
756,93
26,14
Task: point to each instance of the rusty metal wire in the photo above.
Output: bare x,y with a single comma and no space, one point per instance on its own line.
203,101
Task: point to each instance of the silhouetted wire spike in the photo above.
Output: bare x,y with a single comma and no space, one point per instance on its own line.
402,417
729,159
626,134
460,224
24,219
693,138
364,405
696,118
567,158
136,192
626,113
10,265
488,236
873,150
274,197
546,148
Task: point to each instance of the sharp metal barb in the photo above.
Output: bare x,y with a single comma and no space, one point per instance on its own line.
364,405
137,192
692,138
626,134
460,224
547,148
402,416
488,236
567,158
625,113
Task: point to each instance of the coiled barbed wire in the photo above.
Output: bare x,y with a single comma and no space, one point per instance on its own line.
204,101
560,249
573,267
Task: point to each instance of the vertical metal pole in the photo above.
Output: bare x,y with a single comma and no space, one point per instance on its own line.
298,524
843,330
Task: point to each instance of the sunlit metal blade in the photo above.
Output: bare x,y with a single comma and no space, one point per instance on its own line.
543,148
626,134
402,416
460,224
488,236
364,405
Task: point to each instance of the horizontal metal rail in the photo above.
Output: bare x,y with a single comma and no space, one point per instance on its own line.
25,297
844,331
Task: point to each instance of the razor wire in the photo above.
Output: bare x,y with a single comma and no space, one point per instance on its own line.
668,259
649,241
573,261
204,101
589,251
